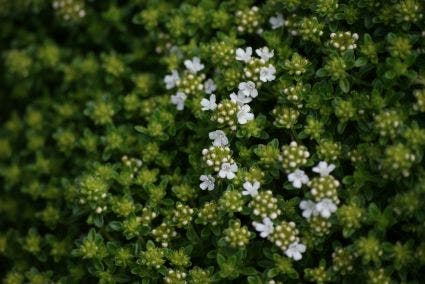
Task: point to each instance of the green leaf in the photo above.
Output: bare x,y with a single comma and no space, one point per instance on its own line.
254,280
273,272
362,61
344,85
322,72
249,271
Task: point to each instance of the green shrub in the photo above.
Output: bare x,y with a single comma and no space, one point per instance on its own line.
207,141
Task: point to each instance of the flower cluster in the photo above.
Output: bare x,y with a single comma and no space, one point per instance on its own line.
212,141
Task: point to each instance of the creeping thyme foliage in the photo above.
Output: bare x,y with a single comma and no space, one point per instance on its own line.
275,141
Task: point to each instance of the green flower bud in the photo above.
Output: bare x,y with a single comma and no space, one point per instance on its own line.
222,53
342,261
184,191
319,225
175,277
220,18
329,150
152,257
14,277
408,11
314,128
291,4
399,46
252,70
350,216
318,275
343,41
388,123
295,93
101,111
369,248
163,234
191,83
264,205
69,10
235,235
18,63
178,258
123,257
65,139
269,154
147,216
310,29
249,20
59,249
123,206
50,215
182,215
200,276
415,135
294,156
284,233
402,255
146,176
285,117
92,188
208,213
398,160
231,201
32,242
113,65
297,65
336,67
324,187
420,98
406,203
345,110
226,113
49,54
327,8
369,49
92,246
214,156
232,77
131,226
378,277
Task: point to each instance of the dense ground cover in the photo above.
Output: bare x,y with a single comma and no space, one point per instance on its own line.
160,141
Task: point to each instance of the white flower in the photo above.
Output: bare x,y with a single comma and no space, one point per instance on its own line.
244,115
267,73
295,250
251,188
298,178
276,22
248,89
265,53
265,228
207,182
240,98
323,168
228,170
219,138
194,65
178,99
209,104
209,86
171,80
325,207
309,208
244,55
